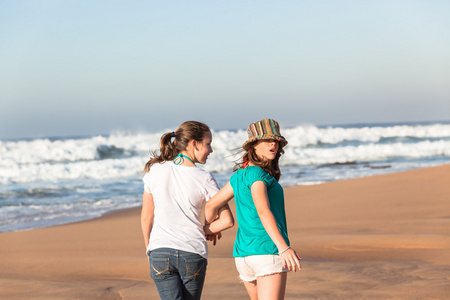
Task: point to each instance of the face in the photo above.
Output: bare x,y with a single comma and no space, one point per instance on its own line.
267,149
204,149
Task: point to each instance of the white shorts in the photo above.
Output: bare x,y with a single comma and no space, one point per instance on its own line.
253,266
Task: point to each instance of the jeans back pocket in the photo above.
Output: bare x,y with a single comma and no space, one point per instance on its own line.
159,267
196,268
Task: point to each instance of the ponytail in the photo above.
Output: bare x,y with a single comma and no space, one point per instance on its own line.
189,130
167,151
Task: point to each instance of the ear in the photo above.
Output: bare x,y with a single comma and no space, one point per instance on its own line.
193,144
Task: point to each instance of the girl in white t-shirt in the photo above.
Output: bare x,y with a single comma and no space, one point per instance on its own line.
175,190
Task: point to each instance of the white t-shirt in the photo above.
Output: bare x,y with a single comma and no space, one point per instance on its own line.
179,193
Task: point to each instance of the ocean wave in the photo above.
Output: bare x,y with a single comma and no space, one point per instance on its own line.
362,153
120,155
45,182
220,161
310,135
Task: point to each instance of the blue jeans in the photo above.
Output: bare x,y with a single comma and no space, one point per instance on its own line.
177,274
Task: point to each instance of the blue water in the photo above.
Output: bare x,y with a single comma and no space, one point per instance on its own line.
51,181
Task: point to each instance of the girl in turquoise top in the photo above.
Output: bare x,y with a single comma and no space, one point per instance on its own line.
262,252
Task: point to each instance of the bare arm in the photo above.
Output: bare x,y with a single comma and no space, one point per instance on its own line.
219,200
289,257
147,216
223,222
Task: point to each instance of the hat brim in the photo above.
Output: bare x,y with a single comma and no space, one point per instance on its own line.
279,138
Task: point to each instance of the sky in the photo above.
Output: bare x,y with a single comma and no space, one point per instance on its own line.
76,68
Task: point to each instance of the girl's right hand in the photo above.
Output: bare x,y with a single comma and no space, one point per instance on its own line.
214,237
211,236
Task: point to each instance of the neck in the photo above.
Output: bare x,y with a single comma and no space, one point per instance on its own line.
262,159
184,159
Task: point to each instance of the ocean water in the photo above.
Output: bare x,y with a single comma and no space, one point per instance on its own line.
51,181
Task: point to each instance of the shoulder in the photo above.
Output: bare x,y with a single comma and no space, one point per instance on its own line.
200,171
205,174
161,165
205,178
257,172
253,173
157,168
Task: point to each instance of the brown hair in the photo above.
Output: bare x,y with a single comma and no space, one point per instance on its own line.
188,131
271,167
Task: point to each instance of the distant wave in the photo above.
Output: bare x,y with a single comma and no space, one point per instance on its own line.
45,182
120,155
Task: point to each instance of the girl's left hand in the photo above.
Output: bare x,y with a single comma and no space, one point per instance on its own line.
291,260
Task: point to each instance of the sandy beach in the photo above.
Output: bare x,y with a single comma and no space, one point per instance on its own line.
379,237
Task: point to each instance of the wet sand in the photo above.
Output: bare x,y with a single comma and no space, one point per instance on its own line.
379,237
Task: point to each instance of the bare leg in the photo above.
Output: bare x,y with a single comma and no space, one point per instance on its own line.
271,287
251,289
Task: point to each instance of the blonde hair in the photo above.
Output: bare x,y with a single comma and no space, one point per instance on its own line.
188,131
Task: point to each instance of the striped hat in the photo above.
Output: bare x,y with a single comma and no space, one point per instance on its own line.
266,129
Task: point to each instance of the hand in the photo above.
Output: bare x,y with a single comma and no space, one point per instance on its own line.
207,230
214,237
211,236
291,260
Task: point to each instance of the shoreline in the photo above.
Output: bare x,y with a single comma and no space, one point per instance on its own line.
118,210
376,237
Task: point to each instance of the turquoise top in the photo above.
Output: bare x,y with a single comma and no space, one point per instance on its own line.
251,237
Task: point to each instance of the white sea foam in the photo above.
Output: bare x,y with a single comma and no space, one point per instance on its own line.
122,155
365,153
46,182
311,135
